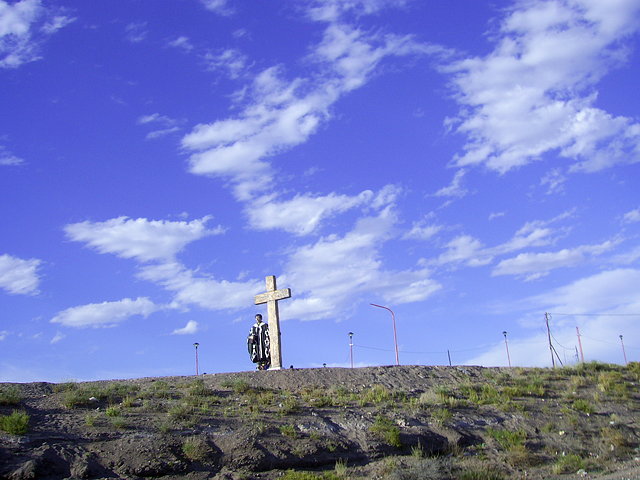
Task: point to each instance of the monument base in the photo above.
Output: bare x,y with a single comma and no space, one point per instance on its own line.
275,368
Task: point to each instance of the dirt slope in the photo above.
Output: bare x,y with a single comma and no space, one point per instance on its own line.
409,422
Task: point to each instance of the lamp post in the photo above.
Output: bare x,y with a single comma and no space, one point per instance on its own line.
623,351
507,347
196,345
395,335
351,347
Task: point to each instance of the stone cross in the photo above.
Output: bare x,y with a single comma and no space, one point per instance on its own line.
271,298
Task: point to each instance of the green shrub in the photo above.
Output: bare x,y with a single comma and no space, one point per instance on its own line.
90,419
16,424
386,429
583,406
376,395
289,405
113,411
568,464
196,448
238,385
119,422
441,415
10,395
289,431
181,411
508,439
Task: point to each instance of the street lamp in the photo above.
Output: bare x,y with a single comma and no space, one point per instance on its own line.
623,351
196,345
351,347
395,335
507,347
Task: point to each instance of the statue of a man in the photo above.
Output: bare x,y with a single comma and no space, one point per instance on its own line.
258,344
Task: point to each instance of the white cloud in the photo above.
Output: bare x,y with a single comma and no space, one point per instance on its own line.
554,180
422,230
3,334
632,216
332,273
105,314
170,125
455,189
221,7
18,276
534,93
231,61
24,26
142,239
283,114
57,337
302,214
604,306
190,328
136,32
8,159
56,23
182,43
333,10
536,265
468,250
205,292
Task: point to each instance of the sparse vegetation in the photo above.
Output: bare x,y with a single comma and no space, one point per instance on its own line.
17,423
568,464
10,396
386,429
518,419
196,448
289,430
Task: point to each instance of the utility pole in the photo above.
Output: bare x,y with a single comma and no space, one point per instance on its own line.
580,345
507,347
623,352
395,335
351,347
196,345
553,360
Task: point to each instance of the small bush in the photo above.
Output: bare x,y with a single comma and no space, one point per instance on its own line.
386,429
583,406
181,411
119,422
568,464
289,405
238,385
196,448
90,419
10,396
289,431
508,439
375,395
113,411
16,424
441,415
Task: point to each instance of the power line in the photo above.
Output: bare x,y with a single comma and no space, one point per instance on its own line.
598,314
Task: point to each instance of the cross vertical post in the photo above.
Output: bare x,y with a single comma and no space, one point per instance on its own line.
271,298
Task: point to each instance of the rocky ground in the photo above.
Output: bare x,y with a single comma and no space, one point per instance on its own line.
409,422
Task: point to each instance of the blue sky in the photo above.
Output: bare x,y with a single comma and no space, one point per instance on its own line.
470,165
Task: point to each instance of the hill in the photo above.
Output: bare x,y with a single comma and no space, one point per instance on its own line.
404,423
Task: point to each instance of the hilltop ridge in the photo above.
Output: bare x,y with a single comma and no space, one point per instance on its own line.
396,422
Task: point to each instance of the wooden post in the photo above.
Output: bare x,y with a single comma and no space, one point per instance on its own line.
271,298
